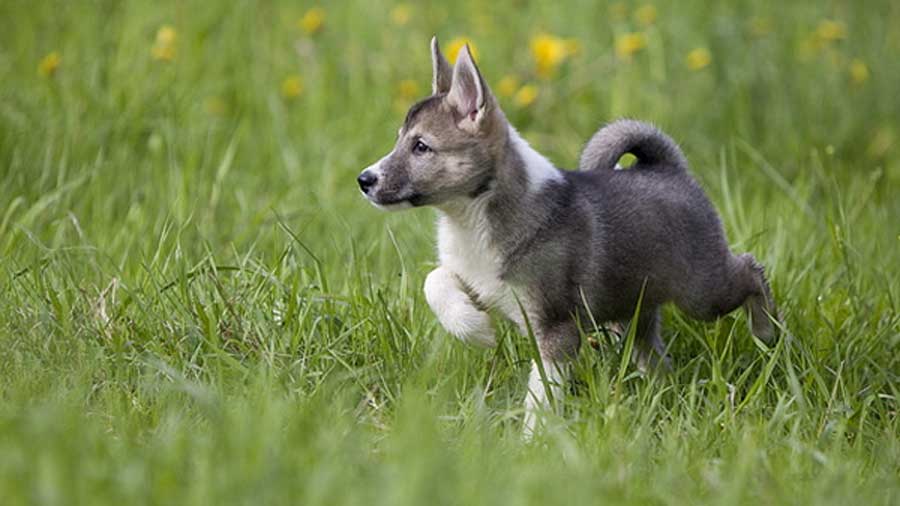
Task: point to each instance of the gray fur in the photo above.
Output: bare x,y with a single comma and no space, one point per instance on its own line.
596,235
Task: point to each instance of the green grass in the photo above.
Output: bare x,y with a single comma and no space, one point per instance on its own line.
197,307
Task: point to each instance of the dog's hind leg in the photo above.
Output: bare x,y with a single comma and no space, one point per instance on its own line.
760,305
557,345
649,348
741,281
455,309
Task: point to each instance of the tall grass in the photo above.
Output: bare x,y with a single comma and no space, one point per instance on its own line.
196,306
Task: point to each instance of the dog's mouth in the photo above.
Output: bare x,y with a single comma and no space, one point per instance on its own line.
396,202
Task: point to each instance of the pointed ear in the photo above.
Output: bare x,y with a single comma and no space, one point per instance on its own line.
468,94
441,73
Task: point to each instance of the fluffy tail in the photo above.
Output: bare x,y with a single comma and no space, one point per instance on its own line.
643,140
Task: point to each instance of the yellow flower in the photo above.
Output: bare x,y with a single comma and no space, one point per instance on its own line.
164,47
166,35
645,15
859,71
400,14
48,65
618,11
507,86
456,45
163,53
630,43
698,58
312,20
292,86
549,52
830,30
526,95
215,106
408,89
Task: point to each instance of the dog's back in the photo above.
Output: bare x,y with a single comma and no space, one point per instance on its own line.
653,229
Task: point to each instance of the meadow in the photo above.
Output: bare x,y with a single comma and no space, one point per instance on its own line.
198,307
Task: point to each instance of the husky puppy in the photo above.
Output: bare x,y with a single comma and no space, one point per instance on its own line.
549,248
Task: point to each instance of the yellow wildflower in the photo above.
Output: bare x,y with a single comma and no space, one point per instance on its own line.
830,30
408,89
698,58
630,43
507,86
166,35
163,53
215,106
550,51
859,71
164,46
292,86
456,45
618,11
400,14
48,65
645,15
526,95
312,20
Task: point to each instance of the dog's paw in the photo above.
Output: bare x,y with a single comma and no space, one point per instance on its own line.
456,311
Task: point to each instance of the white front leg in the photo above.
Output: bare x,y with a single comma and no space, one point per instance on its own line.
537,398
456,311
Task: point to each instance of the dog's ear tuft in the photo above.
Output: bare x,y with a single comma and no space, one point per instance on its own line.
468,93
441,73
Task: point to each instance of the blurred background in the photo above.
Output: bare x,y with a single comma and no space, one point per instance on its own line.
134,115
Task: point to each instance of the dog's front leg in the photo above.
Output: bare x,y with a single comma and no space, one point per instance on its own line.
456,311
558,345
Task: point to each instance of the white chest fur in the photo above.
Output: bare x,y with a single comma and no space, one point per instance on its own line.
464,248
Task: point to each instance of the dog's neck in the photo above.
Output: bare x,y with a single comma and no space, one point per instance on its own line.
505,215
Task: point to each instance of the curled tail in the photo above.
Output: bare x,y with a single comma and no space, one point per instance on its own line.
643,140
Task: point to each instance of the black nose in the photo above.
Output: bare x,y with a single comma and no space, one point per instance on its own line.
366,181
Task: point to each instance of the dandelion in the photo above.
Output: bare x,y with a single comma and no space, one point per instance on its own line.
549,52
859,71
400,14
164,46
49,63
645,15
508,86
698,58
526,95
291,87
618,11
312,20
408,89
830,30
629,44
456,46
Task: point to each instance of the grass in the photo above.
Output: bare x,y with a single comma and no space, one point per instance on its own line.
196,306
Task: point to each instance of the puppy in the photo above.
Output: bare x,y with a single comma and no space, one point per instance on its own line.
548,248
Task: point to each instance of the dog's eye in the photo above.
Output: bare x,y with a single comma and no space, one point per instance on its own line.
420,147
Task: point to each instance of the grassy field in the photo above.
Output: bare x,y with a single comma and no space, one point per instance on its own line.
197,306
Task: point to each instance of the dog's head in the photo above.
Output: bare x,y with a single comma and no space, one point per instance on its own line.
448,144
